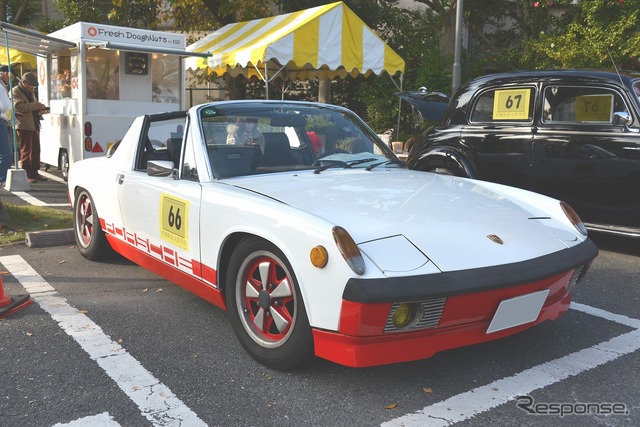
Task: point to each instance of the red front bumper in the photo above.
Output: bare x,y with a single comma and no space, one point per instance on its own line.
361,340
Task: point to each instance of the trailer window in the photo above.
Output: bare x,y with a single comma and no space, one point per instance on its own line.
63,75
103,69
165,73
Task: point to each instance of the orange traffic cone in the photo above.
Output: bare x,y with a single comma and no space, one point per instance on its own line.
9,305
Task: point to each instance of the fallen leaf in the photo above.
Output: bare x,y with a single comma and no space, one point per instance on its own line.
62,262
392,406
83,311
427,389
135,388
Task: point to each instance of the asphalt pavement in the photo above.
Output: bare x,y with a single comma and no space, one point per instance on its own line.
111,344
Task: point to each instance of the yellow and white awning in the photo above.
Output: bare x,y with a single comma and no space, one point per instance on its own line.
326,42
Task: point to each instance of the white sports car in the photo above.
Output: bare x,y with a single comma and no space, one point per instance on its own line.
298,220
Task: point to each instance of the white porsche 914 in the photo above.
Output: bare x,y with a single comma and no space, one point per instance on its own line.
297,219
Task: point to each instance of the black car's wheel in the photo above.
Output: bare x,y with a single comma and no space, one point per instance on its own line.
90,238
265,306
443,166
442,170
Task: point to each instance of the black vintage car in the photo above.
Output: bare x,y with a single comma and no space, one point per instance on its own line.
570,134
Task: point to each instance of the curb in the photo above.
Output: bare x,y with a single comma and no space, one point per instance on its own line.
41,239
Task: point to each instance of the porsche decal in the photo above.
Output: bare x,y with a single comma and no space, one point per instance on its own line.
174,225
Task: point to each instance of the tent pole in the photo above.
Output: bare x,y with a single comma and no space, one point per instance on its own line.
13,112
266,80
399,108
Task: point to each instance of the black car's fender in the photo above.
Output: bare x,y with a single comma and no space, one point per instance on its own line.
445,160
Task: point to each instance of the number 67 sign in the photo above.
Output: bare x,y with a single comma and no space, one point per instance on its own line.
511,104
174,214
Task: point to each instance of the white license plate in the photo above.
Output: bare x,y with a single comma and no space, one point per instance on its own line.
518,311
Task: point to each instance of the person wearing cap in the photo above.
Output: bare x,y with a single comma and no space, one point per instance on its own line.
5,108
28,127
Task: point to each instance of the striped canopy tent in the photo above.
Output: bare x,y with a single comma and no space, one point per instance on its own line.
323,42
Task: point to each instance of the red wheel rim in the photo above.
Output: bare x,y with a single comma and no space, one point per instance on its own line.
268,301
84,219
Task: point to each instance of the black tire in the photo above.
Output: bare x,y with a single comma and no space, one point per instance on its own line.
90,238
444,167
64,164
442,170
269,319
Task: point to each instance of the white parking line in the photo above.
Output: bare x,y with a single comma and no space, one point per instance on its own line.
52,177
100,420
35,201
156,402
473,402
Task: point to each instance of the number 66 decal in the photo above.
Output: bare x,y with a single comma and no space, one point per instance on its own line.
174,224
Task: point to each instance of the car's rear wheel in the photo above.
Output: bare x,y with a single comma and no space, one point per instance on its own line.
89,236
64,164
265,306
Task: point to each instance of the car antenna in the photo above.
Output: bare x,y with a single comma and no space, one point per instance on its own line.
615,67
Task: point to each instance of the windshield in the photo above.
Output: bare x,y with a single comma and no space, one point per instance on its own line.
265,137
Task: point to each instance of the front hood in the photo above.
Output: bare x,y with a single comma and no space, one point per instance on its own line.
446,218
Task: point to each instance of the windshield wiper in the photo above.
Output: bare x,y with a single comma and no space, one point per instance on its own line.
345,165
334,163
357,162
388,162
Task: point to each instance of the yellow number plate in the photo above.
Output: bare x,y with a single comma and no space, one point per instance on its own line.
174,220
511,104
594,108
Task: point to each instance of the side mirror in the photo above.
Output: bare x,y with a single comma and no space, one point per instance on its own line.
621,118
161,168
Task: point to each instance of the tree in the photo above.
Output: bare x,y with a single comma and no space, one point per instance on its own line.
591,34
82,10
19,12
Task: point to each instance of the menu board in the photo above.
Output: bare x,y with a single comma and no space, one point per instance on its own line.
137,63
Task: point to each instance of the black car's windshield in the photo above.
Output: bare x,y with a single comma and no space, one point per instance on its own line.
252,138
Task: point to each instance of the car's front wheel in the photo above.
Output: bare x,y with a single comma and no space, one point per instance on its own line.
265,306
89,235
443,166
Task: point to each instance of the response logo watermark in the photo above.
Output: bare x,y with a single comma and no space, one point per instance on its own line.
561,409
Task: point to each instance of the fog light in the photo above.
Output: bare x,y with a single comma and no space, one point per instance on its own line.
403,315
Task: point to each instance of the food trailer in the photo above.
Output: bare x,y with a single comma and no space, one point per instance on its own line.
96,86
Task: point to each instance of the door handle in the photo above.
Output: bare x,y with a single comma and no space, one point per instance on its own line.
120,178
